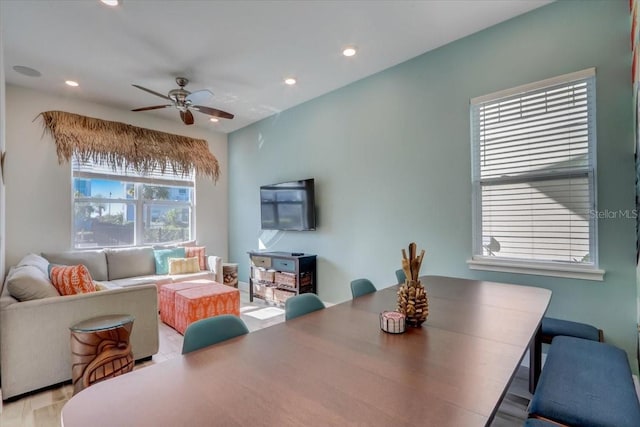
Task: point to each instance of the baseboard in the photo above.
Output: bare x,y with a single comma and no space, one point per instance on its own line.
243,286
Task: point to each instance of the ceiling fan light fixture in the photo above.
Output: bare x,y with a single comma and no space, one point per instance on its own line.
72,83
111,3
290,81
214,119
349,51
185,101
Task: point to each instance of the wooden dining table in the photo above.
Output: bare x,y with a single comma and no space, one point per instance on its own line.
335,367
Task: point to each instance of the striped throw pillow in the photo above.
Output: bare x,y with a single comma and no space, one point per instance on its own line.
183,265
197,251
72,279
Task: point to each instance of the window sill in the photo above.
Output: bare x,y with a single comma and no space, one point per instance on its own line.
539,269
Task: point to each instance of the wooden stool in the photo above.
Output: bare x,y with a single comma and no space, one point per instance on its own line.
100,349
230,274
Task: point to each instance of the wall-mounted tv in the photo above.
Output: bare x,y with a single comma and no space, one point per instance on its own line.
288,206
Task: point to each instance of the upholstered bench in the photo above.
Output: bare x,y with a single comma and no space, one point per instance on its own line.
204,301
168,298
534,422
551,328
586,383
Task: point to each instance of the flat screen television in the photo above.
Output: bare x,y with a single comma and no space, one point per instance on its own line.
288,206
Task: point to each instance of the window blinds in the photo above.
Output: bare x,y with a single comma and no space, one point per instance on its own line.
534,162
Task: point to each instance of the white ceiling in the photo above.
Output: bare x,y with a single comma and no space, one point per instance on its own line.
240,50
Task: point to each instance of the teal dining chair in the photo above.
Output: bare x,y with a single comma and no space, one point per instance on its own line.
401,276
302,304
212,330
361,287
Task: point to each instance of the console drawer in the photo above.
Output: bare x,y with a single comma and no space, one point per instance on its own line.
261,261
284,265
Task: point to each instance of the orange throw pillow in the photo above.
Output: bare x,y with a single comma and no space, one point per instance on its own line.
72,279
197,251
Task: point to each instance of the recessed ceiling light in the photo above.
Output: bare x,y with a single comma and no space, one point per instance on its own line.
290,81
110,2
349,51
214,119
72,83
26,71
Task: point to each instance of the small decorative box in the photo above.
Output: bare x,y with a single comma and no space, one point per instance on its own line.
392,322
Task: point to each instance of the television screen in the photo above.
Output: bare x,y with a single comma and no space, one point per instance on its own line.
288,206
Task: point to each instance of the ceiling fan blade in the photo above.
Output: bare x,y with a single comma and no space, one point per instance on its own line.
152,92
155,107
186,117
200,96
212,112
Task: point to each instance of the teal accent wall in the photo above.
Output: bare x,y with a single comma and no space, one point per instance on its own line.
391,159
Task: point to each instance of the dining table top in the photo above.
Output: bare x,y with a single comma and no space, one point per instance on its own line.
335,367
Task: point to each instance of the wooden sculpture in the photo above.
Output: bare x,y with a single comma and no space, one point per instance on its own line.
412,296
100,355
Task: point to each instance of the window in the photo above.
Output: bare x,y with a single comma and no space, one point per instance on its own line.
533,176
124,208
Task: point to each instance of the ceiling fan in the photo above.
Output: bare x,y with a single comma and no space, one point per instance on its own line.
185,101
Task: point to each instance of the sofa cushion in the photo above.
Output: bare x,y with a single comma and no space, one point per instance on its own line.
162,258
28,282
199,252
130,262
184,265
36,261
176,278
95,261
133,281
72,279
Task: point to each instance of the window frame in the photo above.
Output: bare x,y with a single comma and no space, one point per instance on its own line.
155,178
480,261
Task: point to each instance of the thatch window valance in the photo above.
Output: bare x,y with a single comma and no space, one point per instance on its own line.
121,145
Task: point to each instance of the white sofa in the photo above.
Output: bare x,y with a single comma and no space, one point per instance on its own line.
34,334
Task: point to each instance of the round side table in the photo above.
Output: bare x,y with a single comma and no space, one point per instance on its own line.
230,274
100,349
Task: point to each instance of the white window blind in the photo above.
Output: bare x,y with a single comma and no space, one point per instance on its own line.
533,157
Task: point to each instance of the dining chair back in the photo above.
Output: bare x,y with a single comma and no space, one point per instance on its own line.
302,304
212,330
401,276
361,287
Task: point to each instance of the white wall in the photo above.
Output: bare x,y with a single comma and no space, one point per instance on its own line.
38,189
2,145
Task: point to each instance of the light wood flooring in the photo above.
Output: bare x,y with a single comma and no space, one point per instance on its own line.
43,409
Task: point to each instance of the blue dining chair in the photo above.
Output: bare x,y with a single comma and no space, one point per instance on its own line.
401,276
361,287
212,330
302,304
